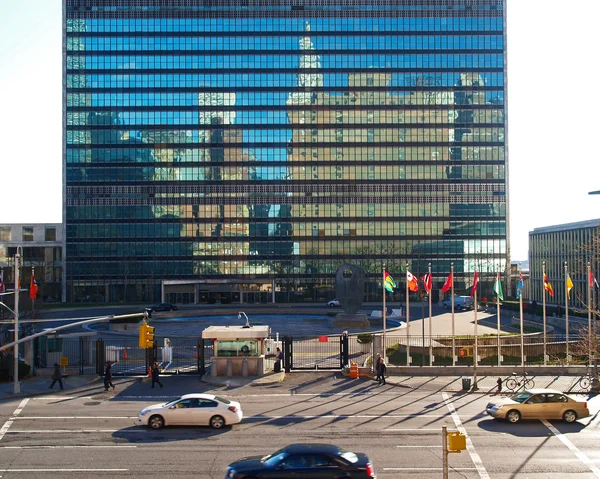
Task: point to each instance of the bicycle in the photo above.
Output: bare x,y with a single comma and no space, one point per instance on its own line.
514,382
585,382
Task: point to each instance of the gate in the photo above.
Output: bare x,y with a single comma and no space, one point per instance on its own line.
309,352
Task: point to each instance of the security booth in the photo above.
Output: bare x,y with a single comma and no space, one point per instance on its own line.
237,350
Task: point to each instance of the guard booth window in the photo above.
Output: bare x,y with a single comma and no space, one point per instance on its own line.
242,348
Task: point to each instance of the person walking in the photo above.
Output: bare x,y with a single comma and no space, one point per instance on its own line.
108,376
56,377
381,368
155,373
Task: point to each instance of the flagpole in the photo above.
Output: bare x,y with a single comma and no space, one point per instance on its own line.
544,306
521,322
430,343
16,385
32,300
452,303
567,310
497,313
384,317
475,388
589,271
407,320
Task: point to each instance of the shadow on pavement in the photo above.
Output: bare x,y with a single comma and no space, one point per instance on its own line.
143,435
528,428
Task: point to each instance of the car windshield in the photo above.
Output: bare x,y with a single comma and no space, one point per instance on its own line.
224,401
521,397
170,403
273,459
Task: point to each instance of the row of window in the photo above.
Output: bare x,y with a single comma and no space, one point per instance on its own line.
285,138
119,174
339,42
243,119
27,233
281,80
235,229
306,249
121,215
295,26
278,62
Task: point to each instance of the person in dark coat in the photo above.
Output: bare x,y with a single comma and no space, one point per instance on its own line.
108,376
56,377
381,368
155,373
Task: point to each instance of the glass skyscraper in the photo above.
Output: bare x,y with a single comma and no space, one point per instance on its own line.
248,148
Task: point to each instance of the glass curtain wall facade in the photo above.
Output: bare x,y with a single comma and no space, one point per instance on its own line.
230,139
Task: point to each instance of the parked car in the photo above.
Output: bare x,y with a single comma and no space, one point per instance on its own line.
192,410
163,307
460,303
304,460
538,404
333,302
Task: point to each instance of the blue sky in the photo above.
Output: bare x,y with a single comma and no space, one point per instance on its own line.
553,106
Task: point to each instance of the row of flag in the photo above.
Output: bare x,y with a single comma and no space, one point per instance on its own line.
413,283
33,287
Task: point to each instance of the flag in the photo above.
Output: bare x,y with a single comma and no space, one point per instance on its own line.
498,287
427,282
569,284
475,283
591,279
447,284
2,284
548,286
520,285
33,289
388,282
413,283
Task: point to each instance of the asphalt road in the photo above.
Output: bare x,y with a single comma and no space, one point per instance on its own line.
90,433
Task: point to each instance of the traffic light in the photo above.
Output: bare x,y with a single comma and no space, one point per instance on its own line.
142,337
146,338
149,336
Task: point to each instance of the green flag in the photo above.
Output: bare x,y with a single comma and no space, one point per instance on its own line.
498,287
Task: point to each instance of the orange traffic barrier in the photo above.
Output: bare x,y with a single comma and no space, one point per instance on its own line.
353,370
125,354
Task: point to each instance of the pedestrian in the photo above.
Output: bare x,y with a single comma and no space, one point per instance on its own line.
56,377
155,373
108,376
381,368
499,383
278,361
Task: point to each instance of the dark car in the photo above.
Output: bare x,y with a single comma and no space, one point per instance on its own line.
304,460
163,307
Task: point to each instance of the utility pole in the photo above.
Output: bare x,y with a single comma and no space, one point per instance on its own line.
17,386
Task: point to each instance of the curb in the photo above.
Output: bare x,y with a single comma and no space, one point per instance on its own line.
42,393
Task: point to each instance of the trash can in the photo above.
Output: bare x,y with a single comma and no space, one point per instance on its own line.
466,383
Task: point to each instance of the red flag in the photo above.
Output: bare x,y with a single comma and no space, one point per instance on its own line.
447,284
323,339
413,283
475,283
1,284
548,286
33,289
427,282
591,279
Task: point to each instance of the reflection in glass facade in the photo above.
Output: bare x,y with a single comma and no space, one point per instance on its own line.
275,140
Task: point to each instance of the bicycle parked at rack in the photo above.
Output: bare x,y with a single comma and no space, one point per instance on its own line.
585,382
515,382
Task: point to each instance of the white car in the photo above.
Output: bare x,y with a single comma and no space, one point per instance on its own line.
192,410
333,302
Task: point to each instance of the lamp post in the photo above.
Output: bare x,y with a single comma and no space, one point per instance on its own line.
17,386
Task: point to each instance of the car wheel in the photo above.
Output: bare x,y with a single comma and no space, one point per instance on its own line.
331,305
513,416
217,422
570,416
156,422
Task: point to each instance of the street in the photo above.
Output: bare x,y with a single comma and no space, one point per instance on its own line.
90,433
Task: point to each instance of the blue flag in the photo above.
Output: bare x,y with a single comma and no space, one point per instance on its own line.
520,286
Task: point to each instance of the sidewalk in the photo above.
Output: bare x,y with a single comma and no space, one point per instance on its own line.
38,385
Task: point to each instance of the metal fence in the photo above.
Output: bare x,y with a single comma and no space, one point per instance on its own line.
309,352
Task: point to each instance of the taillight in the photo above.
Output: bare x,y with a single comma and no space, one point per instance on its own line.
370,470
232,408
585,404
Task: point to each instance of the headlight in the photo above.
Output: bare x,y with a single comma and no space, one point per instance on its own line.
230,473
144,412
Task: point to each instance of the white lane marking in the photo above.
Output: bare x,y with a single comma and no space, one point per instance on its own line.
65,447
411,429
70,431
428,469
32,418
580,455
4,429
421,447
470,448
63,470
